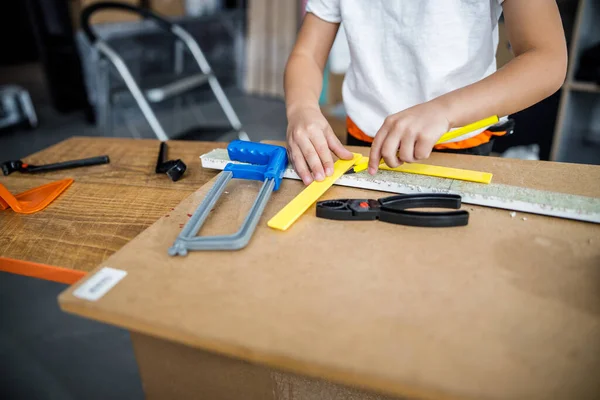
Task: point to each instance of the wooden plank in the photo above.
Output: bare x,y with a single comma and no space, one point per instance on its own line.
85,225
516,198
473,312
132,162
106,206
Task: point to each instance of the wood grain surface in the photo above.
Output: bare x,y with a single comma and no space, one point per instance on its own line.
504,308
107,205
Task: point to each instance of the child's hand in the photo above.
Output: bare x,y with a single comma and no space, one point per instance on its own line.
408,136
310,142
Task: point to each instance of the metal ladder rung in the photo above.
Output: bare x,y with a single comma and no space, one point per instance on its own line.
156,95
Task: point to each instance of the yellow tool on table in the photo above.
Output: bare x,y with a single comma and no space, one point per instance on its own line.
445,137
484,123
295,208
441,172
431,170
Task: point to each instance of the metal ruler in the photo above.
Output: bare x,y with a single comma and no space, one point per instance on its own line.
514,198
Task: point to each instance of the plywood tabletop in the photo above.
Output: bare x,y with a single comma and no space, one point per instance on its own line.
107,205
504,308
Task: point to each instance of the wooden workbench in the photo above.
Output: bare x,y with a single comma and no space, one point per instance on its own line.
504,308
106,207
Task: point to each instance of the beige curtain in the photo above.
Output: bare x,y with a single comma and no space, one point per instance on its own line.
272,29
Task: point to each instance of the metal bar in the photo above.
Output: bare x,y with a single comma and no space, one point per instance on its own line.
179,57
179,65
134,88
103,95
198,55
191,44
157,95
27,108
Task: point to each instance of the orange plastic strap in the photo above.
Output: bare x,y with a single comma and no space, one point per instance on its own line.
482,138
41,271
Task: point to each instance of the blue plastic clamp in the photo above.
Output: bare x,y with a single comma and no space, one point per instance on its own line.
268,161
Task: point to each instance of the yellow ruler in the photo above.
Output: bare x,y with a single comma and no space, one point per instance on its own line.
484,123
295,208
431,170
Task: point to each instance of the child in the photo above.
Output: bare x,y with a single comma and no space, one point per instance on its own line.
419,68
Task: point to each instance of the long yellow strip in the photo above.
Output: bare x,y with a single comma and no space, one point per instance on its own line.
431,170
442,172
484,123
295,208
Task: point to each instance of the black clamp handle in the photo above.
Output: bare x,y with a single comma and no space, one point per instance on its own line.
395,209
87,13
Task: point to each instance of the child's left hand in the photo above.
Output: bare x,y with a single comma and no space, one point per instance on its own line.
408,135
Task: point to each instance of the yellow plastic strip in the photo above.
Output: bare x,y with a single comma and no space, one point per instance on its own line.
484,123
295,208
361,166
442,172
432,170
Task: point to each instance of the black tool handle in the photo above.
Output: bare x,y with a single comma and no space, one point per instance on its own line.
421,200
173,168
394,210
442,219
162,158
86,162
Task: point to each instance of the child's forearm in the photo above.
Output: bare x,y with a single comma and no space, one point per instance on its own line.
526,80
303,83
310,139
304,70
534,29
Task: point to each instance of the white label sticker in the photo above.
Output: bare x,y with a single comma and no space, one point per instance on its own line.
99,284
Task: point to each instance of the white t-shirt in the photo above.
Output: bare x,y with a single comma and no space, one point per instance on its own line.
407,52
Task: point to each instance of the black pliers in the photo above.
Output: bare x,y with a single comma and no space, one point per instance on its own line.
393,209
